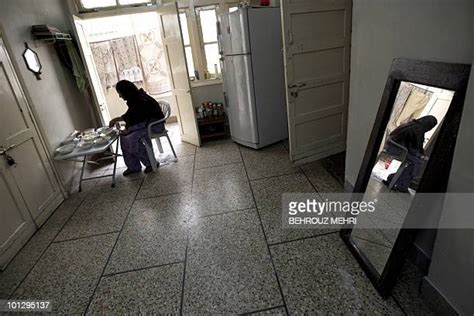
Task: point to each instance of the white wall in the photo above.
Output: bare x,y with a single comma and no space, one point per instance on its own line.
438,30
208,93
57,103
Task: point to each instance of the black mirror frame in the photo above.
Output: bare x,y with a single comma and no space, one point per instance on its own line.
435,178
36,73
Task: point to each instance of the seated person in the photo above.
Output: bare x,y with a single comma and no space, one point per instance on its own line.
410,135
142,110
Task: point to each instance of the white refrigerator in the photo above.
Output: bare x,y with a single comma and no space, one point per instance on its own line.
250,42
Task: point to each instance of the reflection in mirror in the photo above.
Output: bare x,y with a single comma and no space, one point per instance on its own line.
408,140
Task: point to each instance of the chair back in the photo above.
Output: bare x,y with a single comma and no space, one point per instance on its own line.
165,108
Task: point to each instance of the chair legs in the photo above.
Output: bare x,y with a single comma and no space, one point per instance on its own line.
397,175
151,154
158,143
171,145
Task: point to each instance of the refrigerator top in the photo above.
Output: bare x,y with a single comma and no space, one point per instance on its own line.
234,37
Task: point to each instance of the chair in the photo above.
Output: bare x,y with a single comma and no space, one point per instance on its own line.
166,109
401,157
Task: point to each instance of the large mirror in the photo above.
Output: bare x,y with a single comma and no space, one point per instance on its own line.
409,152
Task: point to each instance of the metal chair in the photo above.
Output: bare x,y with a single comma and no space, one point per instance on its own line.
166,109
401,157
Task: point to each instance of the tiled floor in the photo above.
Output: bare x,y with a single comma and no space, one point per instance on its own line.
202,235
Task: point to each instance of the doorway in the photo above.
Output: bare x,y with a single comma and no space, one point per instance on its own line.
145,48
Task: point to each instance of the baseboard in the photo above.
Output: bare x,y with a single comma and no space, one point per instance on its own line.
348,187
419,258
438,304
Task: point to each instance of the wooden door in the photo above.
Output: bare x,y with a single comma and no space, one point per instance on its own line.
170,30
316,36
29,189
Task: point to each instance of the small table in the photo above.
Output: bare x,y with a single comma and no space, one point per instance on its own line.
96,149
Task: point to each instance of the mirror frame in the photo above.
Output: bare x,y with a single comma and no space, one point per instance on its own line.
36,73
447,76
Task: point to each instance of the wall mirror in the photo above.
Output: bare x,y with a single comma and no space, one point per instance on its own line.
32,61
410,151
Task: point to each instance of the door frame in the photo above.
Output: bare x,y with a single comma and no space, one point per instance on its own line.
118,12
33,115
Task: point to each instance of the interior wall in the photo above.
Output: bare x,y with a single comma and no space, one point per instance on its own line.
453,255
438,30
58,105
208,93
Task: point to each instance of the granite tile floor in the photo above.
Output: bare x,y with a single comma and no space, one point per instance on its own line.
199,236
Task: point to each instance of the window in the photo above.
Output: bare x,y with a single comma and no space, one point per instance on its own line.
95,4
208,26
187,44
200,38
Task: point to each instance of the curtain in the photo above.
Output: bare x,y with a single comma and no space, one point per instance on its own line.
139,59
153,60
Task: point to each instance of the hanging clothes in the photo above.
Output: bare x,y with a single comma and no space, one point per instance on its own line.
126,59
105,63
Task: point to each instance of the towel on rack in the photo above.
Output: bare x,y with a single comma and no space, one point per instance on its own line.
77,66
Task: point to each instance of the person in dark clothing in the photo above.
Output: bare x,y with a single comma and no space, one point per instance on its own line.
142,110
410,135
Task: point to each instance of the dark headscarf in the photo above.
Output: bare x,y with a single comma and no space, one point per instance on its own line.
412,134
126,89
142,108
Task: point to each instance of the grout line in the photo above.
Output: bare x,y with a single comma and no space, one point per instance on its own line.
263,310
276,176
310,182
266,240
217,166
303,238
228,212
162,195
140,269
84,237
187,244
112,250
184,273
49,245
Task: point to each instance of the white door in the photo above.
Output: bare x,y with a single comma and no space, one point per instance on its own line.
92,74
316,36
29,190
170,30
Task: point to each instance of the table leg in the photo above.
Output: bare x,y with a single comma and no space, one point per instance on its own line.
84,161
115,163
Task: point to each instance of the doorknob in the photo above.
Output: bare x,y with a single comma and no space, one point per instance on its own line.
3,152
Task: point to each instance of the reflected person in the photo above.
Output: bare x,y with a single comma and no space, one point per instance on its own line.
142,110
410,135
